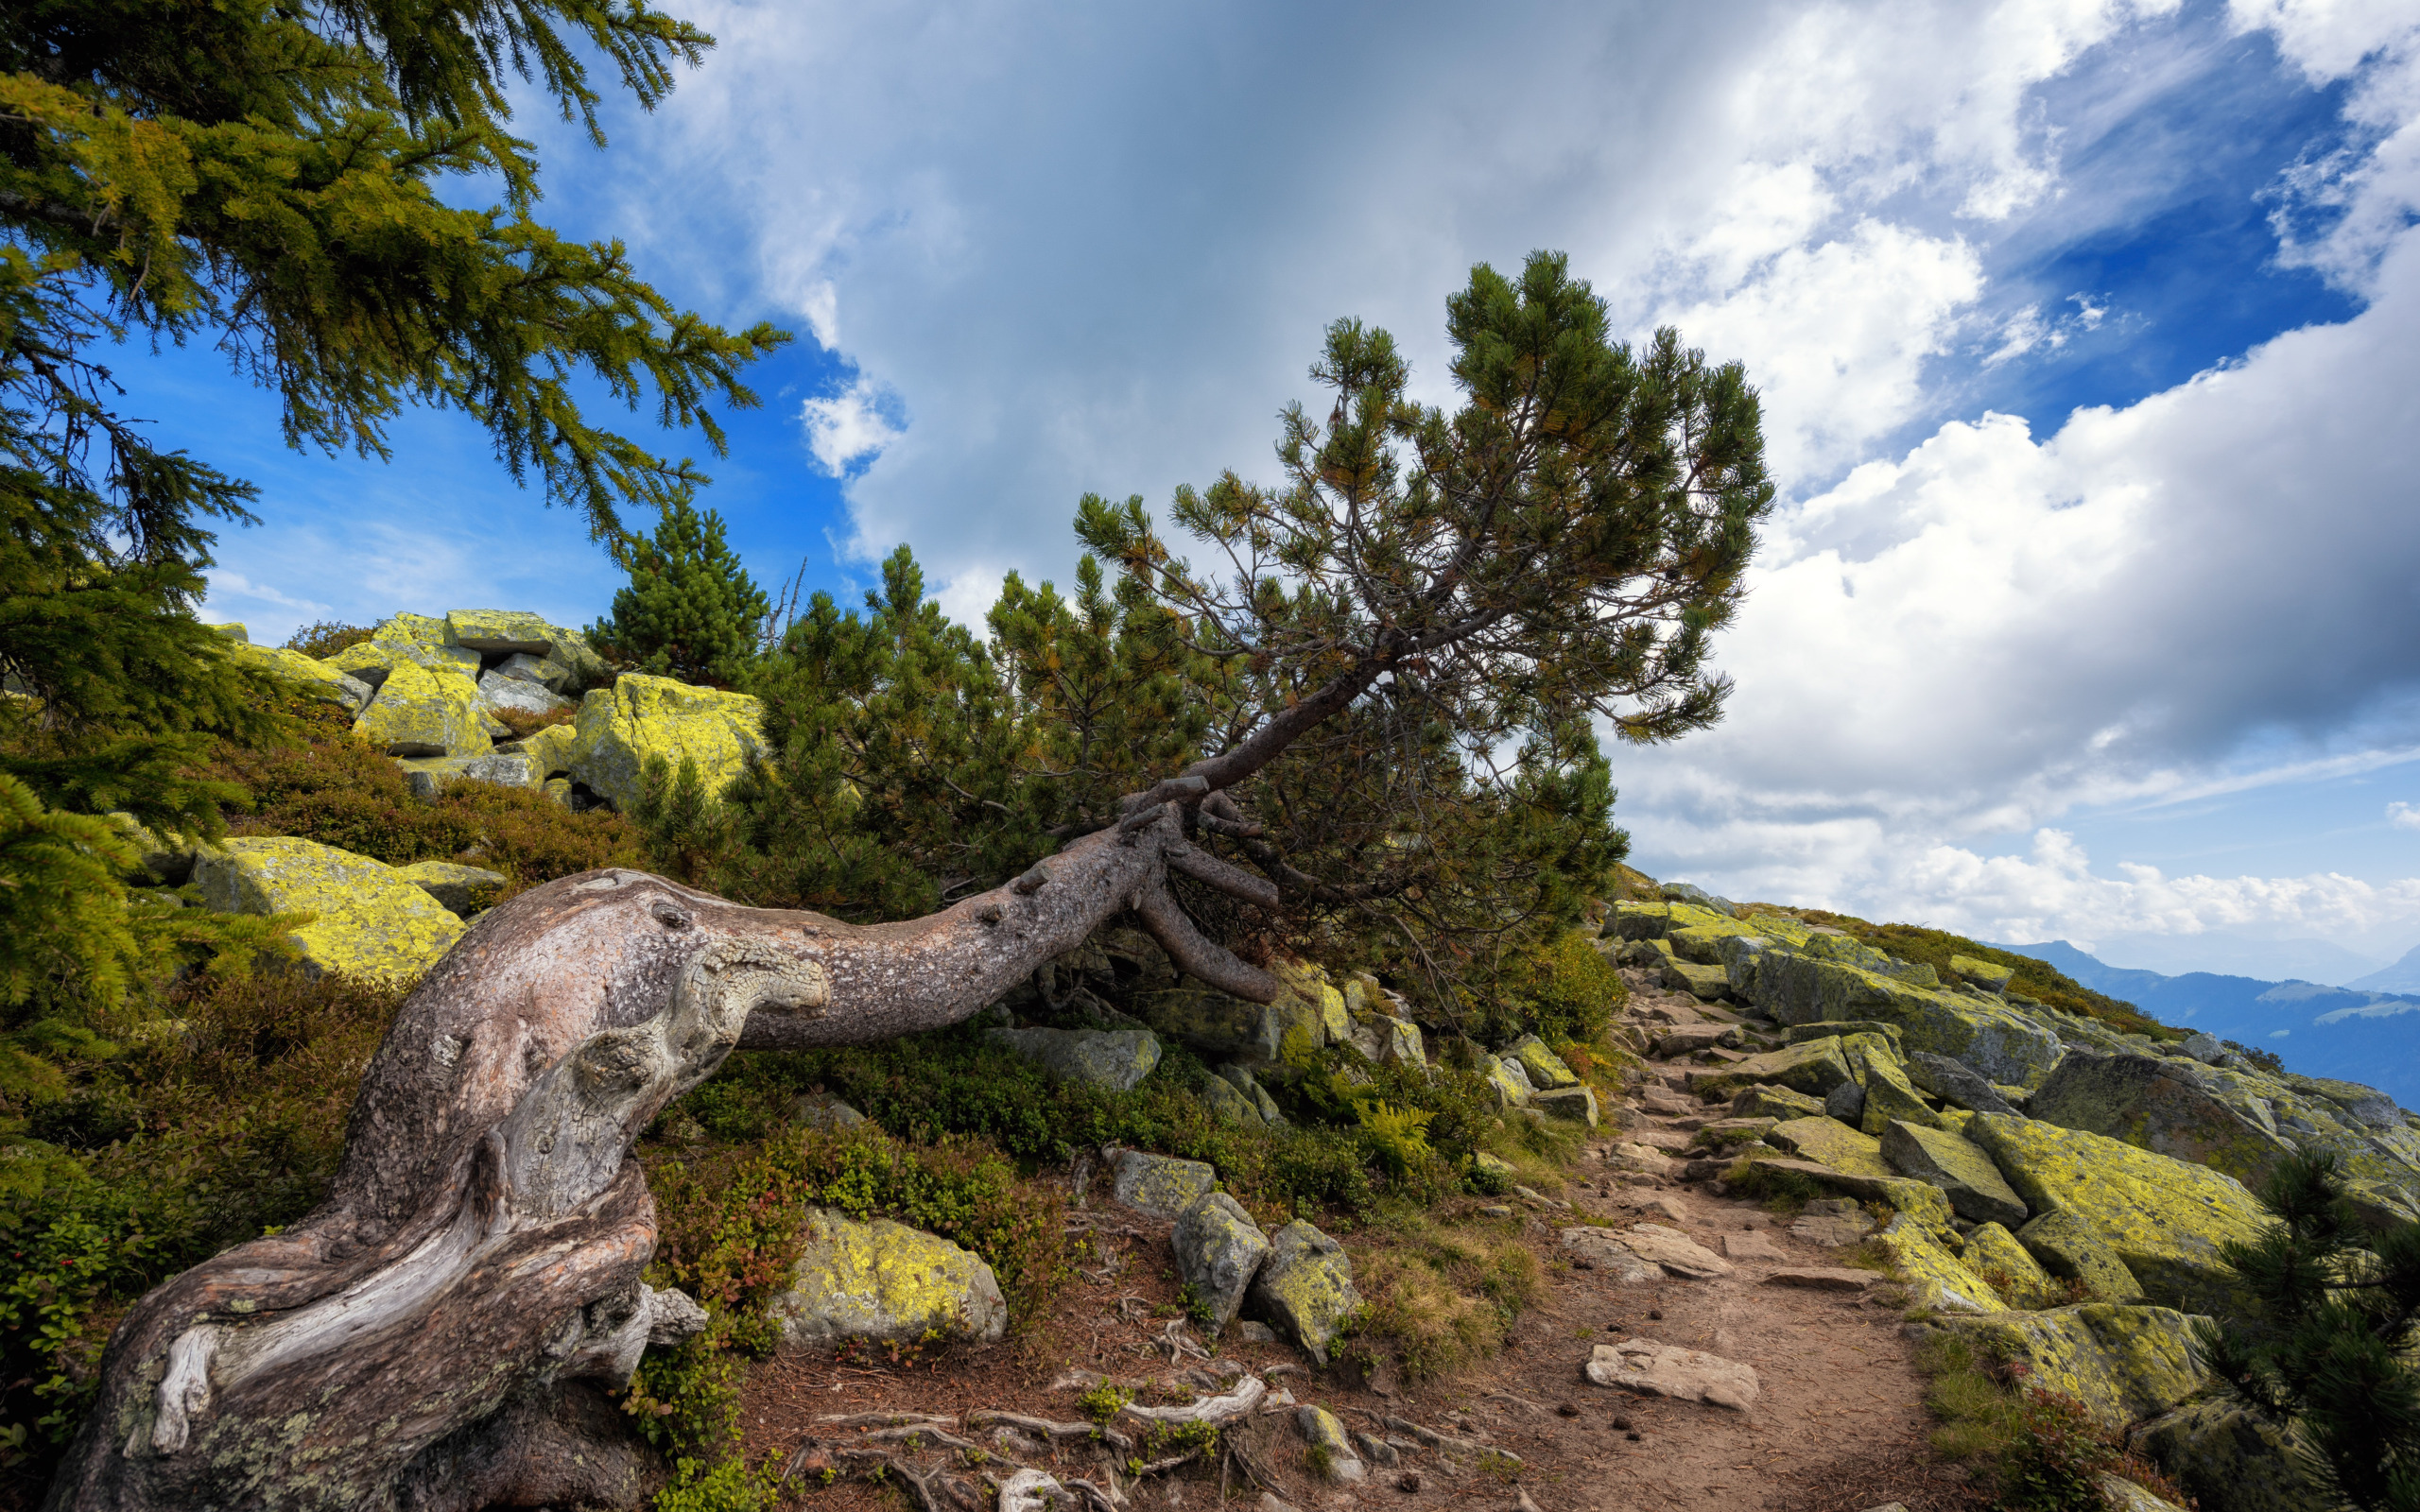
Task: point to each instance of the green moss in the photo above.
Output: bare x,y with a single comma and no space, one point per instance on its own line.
2032,978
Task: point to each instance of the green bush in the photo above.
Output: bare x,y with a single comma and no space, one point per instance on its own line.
691,610
325,638
333,789
1564,990
167,1141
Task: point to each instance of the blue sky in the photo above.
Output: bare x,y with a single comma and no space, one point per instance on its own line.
2087,333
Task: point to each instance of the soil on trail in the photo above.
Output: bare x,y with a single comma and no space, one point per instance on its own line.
1839,1424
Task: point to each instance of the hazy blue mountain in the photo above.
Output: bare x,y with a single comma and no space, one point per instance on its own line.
2403,976
2355,1034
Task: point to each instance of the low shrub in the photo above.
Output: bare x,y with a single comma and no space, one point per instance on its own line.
2041,1448
336,790
2035,979
323,639
1438,1300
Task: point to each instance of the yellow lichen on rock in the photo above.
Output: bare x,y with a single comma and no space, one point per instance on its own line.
639,717
2163,1219
316,678
1829,1141
884,1280
370,921
2124,1363
1936,1278
1993,1253
419,713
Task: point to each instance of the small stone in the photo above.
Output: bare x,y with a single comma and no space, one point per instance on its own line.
1748,1245
1846,1103
1669,1370
1621,1422
1565,1409
1823,1278
1117,1060
1376,1451
1409,1482
822,1110
1252,1332
1675,1252
1332,1450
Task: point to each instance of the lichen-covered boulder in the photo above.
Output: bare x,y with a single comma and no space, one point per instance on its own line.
1399,1043
1994,1253
427,775
1997,1038
499,630
1891,1033
1990,976
1954,1082
2071,1249
544,670
1308,985
638,718
1935,1277
315,680
1813,1067
2165,1105
552,749
884,1281
370,922
1219,1251
459,890
1543,1068
1829,1141
2164,1219
419,713
2124,1363
1574,1104
1304,1288
1704,983
2230,1458
1965,1174
1254,1092
518,695
1117,1059
1777,1102
1227,1103
1330,1450
1506,1081
1889,1097
1160,1185
399,644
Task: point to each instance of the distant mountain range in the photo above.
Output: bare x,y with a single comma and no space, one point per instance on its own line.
2368,1032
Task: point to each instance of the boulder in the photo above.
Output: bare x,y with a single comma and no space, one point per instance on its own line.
499,630
1596,1249
1399,1043
1218,1250
1889,1098
1936,1278
1576,1105
1160,1185
884,1280
1705,983
373,661
1994,1253
2069,1249
1778,1102
1813,1067
1543,1068
1506,1083
1117,1059
1997,1038
1801,1032
1331,1450
1953,1082
459,890
822,1110
1254,1092
1668,1370
544,670
427,775
552,749
497,690
1830,1143
1990,976
1674,1250
370,920
419,713
314,679
2171,1106
1897,1191
2206,1048
1202,1019
638,718
2230,1458
2163,1219
1304,1288
1227,1103
1688,1039
1847,1105
1965,1174
2122,1363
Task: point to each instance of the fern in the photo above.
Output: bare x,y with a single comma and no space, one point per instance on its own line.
1397,1135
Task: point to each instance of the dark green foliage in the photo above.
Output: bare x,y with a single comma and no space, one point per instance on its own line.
323,639
160,1143
691,610
2268,1061
2331,1342
2034,979
2056,1455
1562,990
333,789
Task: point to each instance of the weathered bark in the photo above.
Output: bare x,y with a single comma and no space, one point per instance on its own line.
433,1333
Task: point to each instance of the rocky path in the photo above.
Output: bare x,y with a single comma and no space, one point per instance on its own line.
1837,1423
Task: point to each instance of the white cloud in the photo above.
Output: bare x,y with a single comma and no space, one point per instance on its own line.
852,427
2403,815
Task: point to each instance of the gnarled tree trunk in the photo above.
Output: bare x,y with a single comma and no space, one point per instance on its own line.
437,1332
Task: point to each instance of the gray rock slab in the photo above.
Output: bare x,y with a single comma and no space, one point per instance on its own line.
1219,1251
1117,1059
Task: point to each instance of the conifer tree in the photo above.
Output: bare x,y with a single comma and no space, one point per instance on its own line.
2330,1345
691,610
